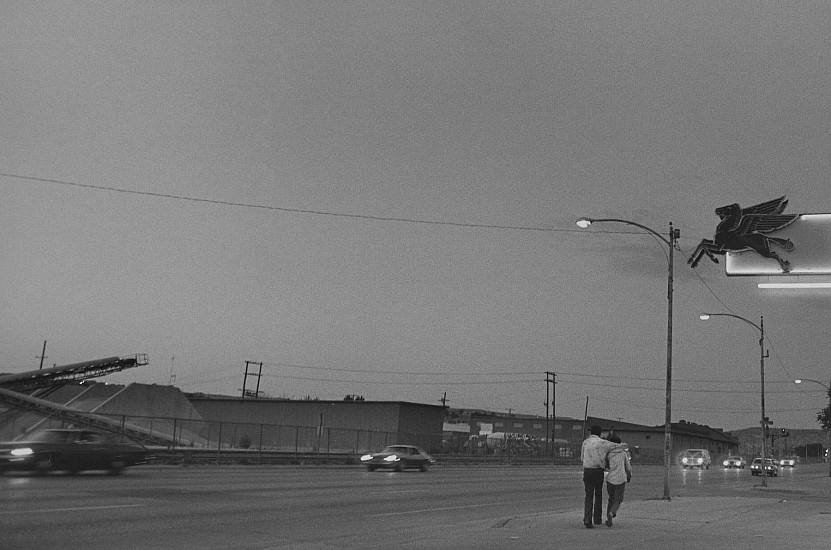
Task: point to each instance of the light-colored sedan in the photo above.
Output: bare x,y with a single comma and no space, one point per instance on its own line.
788,462
735,462
398,458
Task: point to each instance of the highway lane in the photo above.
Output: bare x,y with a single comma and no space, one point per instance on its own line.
302,506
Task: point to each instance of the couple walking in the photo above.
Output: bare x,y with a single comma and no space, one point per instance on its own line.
600,455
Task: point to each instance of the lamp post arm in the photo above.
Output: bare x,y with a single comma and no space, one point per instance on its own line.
751,323
636,224
814,381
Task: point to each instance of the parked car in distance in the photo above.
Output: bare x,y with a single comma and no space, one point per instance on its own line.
696,458
735,462
398,458
70,450
771,467
788,462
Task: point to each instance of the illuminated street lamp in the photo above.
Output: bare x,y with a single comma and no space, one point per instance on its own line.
671,244
799,381
761,328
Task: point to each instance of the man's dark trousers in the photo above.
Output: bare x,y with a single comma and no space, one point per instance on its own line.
593,509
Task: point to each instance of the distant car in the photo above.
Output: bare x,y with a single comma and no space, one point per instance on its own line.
734,462
771,467
788,462
398,458
696,458
71,450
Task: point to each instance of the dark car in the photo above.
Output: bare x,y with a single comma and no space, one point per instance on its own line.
398,457
734,462
771,467
71,450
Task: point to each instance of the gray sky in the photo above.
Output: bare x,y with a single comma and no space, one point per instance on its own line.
378,198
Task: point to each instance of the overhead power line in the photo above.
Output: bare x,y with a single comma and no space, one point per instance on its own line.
285,209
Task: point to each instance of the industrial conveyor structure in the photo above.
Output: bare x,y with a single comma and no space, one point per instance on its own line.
12,387
42,378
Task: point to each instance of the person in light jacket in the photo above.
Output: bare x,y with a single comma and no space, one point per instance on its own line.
594,455
620,473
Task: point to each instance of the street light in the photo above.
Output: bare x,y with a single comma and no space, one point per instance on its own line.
671,244
799,381
761,328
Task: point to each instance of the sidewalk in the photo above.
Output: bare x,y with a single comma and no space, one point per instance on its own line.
799,517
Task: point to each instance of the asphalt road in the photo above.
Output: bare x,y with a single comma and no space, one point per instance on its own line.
304,506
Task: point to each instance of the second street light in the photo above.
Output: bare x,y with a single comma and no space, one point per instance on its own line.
671,244
764,422
827,415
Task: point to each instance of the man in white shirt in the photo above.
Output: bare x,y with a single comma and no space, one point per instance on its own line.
594,454
620,473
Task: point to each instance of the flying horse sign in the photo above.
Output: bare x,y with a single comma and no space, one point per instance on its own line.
761,240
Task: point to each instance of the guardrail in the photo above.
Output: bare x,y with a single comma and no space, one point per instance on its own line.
188,456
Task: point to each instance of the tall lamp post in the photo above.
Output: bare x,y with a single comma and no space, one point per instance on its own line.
671,244
764,422
799,381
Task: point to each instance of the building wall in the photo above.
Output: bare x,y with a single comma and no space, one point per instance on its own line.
361,424
646,443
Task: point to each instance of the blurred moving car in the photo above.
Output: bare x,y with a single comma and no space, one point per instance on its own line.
770,466
788,462
696,458
71,450
398,457
735,462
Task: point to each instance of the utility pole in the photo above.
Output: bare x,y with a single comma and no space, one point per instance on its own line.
172,376
550,431
259,374
42,355
444,400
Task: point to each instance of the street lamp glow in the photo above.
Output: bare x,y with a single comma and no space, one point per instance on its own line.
583,223
704,316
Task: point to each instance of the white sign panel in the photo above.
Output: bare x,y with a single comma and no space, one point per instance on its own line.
810,235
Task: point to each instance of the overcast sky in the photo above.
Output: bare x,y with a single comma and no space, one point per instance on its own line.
378,198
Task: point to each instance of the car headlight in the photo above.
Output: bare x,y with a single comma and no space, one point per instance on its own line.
684,460
23,451
391,458
366,457
726,463
700,460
